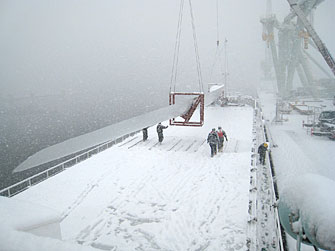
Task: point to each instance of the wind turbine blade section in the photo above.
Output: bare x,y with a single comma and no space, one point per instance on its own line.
111,132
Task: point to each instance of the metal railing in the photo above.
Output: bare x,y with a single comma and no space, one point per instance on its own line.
262,197
267,193
280,242
252,206
51,171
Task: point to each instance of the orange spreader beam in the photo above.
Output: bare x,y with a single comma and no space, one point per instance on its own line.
197,101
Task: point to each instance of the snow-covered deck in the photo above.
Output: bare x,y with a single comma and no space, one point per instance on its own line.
174,196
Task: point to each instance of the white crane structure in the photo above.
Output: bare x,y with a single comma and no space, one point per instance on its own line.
267,64
318,42
289,52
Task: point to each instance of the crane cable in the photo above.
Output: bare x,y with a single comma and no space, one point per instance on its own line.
217,24
218,50
217,59
201,87
177,47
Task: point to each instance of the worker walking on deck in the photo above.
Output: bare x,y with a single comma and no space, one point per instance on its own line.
222,135
145,133
160,129
261,151
213,140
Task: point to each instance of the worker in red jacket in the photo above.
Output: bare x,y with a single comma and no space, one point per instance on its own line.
222,135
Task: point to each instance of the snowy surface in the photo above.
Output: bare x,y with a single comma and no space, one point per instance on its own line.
141,195
25,217
113,132
299,153
29,226
174,196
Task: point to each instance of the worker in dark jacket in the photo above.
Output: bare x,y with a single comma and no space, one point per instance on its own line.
261,151
160,129
145,133
213,140
222,135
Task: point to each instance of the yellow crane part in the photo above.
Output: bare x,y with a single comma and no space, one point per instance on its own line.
305,36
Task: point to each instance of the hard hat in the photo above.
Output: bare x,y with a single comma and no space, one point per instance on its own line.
265,144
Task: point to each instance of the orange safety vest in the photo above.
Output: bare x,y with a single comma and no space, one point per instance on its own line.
220,134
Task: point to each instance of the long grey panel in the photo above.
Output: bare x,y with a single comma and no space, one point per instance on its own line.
112,132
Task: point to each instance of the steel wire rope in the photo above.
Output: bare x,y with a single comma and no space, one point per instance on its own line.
217,24
173,80
217,58
226,69
174,74
218,50
196,49
213,65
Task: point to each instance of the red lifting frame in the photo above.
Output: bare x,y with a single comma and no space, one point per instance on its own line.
198,100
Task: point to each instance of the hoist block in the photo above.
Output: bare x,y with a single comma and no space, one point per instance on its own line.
198,100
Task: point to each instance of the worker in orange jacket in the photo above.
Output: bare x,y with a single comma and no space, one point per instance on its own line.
222,135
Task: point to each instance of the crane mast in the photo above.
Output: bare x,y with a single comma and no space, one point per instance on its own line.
289,53
318,42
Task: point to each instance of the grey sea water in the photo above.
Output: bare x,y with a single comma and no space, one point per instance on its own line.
29,124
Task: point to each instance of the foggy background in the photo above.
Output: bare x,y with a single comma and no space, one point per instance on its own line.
69,67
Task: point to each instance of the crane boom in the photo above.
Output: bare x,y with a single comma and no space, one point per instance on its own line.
318,42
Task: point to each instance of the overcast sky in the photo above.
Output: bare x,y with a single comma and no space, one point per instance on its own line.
68,45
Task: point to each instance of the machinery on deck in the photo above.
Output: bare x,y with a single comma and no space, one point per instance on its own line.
325,126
